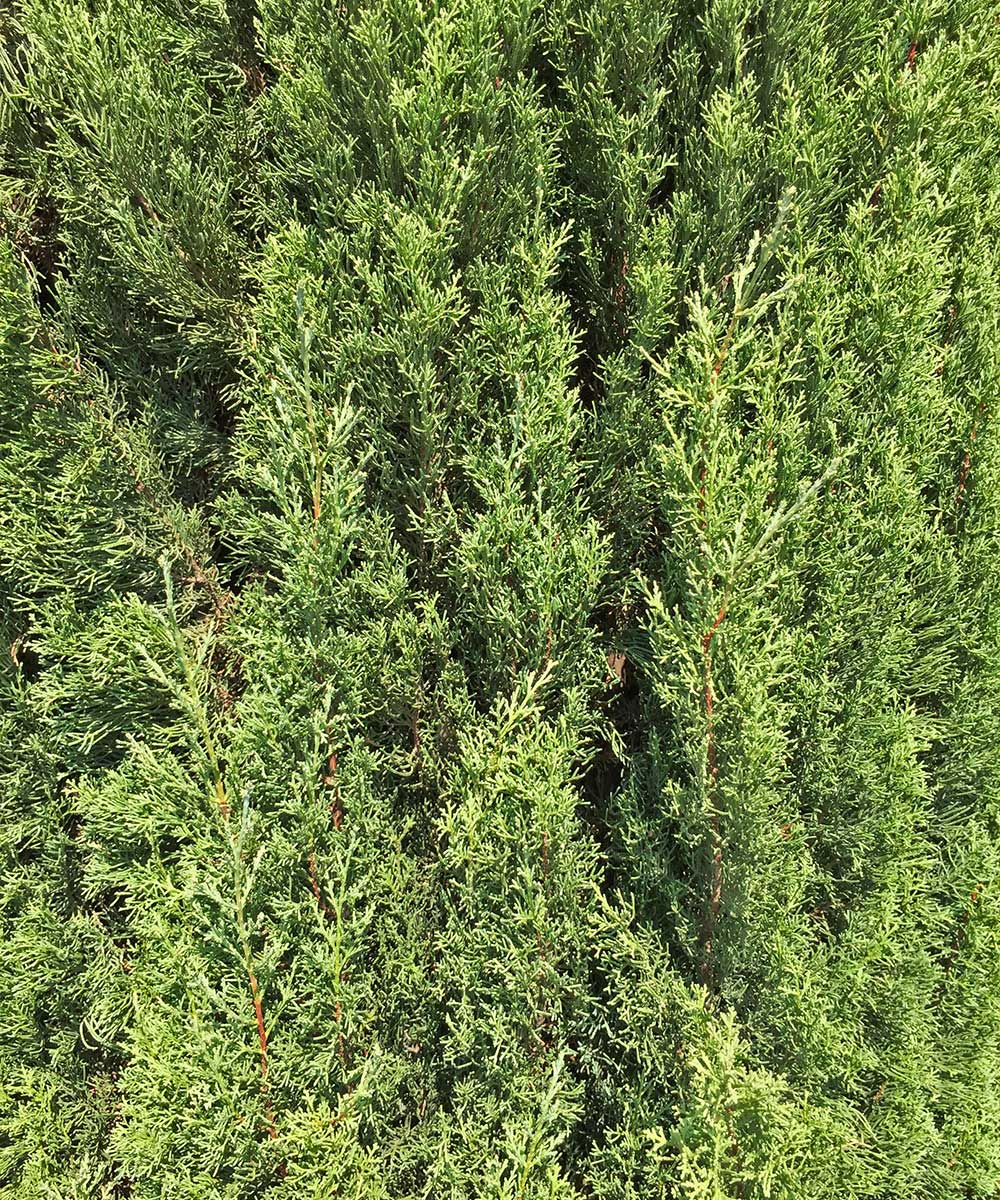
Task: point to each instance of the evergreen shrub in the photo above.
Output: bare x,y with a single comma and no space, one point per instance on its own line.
499,545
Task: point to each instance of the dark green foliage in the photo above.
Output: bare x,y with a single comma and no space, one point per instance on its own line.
499,531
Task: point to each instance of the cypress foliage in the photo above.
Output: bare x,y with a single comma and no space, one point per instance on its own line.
498,541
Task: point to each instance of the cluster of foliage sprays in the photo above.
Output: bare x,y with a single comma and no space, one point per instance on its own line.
499,513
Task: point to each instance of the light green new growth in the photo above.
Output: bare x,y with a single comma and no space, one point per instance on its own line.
499,545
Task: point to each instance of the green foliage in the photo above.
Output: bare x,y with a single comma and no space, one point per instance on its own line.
499,529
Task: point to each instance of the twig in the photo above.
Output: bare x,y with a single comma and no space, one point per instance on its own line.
712,774
317,892
272,1130
967,459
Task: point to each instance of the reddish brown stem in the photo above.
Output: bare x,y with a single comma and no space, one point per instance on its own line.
327,912
272,1130
716,879
340,1034
715,888
147,208
720,358
330,779
967,459
706,641
314,884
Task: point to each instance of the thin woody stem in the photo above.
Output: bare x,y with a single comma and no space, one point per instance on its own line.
712,774
272,1129
726,343
330,914
316,890
963,474
714,906
225,808
256,994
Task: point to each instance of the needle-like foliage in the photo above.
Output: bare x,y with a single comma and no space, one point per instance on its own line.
499,537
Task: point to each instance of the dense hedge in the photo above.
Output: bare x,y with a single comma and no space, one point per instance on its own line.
499,544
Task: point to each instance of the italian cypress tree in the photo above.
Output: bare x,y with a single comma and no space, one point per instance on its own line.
498,536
